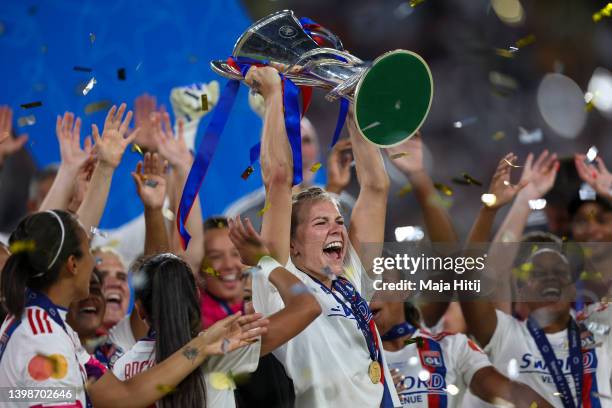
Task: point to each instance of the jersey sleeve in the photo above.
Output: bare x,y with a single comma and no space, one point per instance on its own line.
118,369
266,299
469,358
506,326
241,361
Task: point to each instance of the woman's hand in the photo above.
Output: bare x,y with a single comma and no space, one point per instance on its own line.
8,145
338,167
110,147
540,175
408,155
172,147
263,80
596,176
150,181
247,241
68,132
500,186
234,332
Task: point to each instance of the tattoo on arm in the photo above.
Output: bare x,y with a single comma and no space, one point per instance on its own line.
190,353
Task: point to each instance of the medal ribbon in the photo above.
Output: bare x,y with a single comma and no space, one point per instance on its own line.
556,372
399,330
363,316
434,400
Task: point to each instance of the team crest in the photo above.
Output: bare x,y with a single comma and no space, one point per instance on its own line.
432,358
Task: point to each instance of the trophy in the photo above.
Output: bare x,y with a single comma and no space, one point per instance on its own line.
391,95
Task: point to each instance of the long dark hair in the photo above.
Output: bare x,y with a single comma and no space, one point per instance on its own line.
40,246
167,291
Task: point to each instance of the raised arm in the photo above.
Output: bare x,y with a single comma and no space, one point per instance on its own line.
151,385
109,149
74,161
368,215
595,175
301,307
276,163
174,149
8,145
151,187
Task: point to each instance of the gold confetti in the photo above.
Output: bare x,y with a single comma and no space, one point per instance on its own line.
136,148
520,274
398,155
502,52
404,190
589,106
525,41
22,246
97,106
444,189
527,267
414,3
168,214
604,12
221,381
220,225
165,389
261,212
588,252
488,199
247,172
533,405
210,271
498,136
204,98
315,167
511,165
471,180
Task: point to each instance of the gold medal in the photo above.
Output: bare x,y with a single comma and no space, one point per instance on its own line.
374,371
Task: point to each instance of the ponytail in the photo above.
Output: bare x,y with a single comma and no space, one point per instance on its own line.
167,291
41,244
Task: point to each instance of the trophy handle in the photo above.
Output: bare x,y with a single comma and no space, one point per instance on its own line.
222,68
329,51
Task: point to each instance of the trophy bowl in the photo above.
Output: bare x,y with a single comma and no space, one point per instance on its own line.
391,96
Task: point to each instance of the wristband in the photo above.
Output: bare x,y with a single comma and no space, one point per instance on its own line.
267,264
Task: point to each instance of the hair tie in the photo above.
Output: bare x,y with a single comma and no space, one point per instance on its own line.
61,241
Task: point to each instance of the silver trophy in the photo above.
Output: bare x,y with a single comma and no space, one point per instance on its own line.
398,80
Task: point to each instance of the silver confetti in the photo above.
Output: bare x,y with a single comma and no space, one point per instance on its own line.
96,231
225,346
586,192
168,214
592,154
530,136
26,120
465,122
151,183
89,85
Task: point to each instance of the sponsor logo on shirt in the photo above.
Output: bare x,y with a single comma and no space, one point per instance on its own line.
416,389
531,363
432,358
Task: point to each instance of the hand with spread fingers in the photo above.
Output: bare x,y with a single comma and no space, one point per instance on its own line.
500,186
408,155
8,144
109,147
595,175
172,147
234,332
68,131
247,241
150,181
539,175
144,106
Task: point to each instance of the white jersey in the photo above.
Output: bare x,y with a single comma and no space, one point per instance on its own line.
328,361
515,354
461,359
121,334
219,386
40,353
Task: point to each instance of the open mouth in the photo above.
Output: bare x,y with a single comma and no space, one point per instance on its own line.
551,292
113,299
333,250
232,277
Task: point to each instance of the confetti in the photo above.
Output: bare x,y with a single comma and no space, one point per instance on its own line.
97,106
412,361
537,204
204,99
498,135
210,271
247,172
471,180
138,66
592,154
22,246
488,199
261,212
533,405
528,137
465,122
444,189
221,381
31,105
586,192
513,369
26,120
452,389
151,183
503,81
424,375
225,346
81,69
89,85
414,3
370,126
168,214
604,12
121,74
315,167
165,389
525,41
96,231
398,155
136,148
409,233
92,37
507,183
461,181
502,52
404,190
511,165
441,202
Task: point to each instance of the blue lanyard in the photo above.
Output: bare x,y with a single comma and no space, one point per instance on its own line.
224,305
552,363
399,330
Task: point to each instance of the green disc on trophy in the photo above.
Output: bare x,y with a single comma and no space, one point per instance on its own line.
393,99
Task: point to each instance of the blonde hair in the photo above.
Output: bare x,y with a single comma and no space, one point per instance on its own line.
308,196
